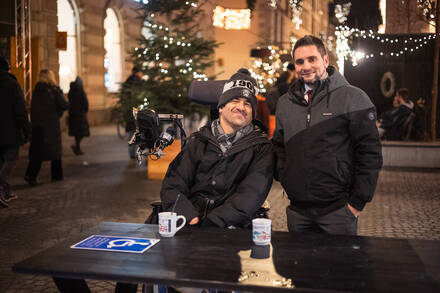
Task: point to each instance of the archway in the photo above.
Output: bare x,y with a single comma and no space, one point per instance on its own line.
112,45
68,60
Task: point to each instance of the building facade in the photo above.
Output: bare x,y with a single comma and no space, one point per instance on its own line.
93,40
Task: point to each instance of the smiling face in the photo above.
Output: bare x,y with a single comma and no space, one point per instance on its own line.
235,115
310,65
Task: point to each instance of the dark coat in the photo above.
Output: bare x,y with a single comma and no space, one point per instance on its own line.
393,122
225,188
14,124
328,151
48,105
78,108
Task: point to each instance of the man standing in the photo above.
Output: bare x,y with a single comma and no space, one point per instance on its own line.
225,171
14,127
327,145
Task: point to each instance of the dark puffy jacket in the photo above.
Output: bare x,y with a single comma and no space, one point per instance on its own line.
393,122
47,106
78,108
226,188
14,125
328,152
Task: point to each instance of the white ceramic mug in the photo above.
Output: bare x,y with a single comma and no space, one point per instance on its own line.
261,231
168,222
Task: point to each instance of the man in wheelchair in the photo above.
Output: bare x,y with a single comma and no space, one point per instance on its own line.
224,173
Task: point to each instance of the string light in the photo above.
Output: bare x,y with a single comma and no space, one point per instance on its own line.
427,7
264,70
231,19
190,3
342,11
402,45
273,3
296,7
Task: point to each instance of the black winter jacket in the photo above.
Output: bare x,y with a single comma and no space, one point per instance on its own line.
78,108
14,124
225,188
47,106
328,151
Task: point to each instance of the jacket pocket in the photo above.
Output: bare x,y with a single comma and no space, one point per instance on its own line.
344,173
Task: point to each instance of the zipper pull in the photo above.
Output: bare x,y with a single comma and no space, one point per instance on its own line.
308,118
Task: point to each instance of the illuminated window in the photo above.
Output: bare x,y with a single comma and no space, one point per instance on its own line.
232,19
67,22
112,45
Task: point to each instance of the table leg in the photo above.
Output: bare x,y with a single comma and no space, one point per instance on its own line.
71,285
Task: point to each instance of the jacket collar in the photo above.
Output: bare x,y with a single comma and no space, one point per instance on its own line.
323,87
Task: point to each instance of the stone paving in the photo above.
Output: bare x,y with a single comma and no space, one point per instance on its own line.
104,185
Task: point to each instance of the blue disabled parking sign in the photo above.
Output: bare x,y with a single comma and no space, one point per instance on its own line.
116,243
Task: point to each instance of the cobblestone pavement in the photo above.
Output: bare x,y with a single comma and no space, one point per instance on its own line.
104,185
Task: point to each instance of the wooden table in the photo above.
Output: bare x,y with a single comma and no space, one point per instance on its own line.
221,258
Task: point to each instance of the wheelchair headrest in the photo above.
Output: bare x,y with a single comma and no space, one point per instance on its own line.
206,92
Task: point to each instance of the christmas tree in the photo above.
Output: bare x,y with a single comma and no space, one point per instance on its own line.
171,54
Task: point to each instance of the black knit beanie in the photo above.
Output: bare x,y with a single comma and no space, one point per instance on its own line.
4,64
240,85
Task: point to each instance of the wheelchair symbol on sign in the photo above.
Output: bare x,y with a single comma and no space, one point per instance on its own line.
125,242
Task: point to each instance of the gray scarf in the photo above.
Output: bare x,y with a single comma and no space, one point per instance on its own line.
226,140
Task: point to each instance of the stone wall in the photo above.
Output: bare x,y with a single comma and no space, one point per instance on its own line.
404,17
91,15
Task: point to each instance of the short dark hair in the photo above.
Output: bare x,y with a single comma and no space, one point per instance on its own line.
404,94
310,40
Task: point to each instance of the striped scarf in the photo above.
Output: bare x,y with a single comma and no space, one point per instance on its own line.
226,140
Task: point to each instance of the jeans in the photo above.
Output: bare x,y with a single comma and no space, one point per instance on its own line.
338,222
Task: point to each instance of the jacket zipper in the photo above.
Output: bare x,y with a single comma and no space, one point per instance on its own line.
208,203
308,117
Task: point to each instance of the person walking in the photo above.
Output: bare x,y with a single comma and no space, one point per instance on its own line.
327,145
47,106
78,108
14,128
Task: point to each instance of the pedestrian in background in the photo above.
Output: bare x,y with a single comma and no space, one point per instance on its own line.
47,106
78,108
280,87
327,145
14,128
392,125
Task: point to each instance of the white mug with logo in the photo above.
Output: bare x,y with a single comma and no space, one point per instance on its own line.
261,231
168,222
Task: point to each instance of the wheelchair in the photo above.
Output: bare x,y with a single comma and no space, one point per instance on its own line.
205,93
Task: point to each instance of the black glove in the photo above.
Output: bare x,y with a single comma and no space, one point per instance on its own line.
207,223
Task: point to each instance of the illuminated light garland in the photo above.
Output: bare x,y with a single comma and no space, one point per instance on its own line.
171,40
273,3
344,52
231,19
296,6
342,11
428,8
265,72
193,4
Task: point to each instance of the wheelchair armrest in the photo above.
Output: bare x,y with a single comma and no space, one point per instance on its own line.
156,204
